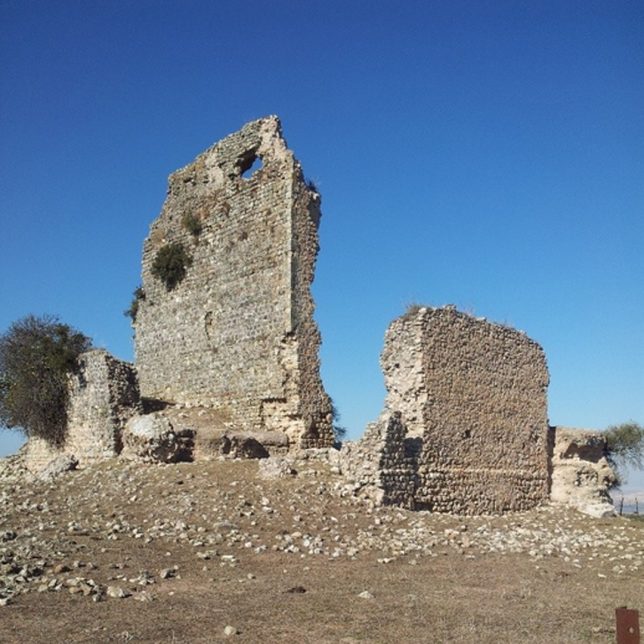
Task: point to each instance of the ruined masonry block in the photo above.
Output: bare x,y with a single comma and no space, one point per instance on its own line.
38,454
474,393
237,334
103,395
153,439
381,465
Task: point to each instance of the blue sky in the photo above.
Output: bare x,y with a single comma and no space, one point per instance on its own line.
486,154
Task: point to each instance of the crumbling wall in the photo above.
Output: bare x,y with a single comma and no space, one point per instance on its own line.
382,464
237,334
103,395
38,454
581,473
475,394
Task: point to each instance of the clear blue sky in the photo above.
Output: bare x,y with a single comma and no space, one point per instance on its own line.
488,154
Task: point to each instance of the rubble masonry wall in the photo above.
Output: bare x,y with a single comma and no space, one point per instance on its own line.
237,334
103,395
475,394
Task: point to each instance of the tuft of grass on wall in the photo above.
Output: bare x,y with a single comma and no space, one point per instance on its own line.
192,224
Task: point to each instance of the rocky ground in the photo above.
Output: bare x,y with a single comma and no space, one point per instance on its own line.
206,552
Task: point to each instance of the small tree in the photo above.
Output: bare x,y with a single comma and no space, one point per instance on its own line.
137,296
37,354
625,445
339,431
192,224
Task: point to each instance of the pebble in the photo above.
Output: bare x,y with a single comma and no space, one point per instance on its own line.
117,592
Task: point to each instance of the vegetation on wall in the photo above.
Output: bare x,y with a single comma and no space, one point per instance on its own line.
170,264
625,444
37,355
137,296
192,224
411,311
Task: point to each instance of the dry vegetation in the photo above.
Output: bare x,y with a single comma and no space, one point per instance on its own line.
198,547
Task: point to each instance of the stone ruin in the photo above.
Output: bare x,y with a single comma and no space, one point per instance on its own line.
227,350
465,427
103,396
227,362
236,335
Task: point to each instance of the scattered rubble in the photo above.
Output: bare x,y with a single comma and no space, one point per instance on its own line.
47,528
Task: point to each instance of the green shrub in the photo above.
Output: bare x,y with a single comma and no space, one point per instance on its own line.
192,224
625,445
170,264
137,296
37,354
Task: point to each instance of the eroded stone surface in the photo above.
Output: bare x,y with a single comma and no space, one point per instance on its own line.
581,474
38,453
153,439
382,464
465,427
103,396
237,333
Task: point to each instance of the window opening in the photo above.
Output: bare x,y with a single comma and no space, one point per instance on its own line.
250,166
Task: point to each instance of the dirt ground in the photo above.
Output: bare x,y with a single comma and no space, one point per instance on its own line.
195,548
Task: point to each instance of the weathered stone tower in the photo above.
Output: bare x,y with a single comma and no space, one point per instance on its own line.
225,320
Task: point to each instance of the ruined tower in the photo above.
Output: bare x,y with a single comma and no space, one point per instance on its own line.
225,316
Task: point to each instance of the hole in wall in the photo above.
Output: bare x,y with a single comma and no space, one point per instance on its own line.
249,165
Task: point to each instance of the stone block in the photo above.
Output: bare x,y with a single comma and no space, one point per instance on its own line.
153,439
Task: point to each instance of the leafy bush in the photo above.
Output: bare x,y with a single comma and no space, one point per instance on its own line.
137,296
625,448
170,264
37,354
192,224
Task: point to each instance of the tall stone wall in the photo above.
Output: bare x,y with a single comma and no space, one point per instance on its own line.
475,393
237,333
